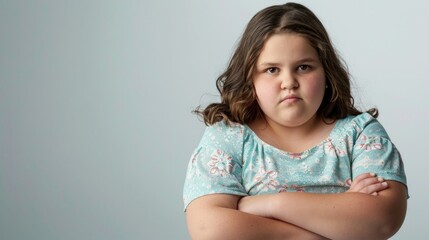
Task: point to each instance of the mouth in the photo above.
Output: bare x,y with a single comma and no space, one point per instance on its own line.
290,99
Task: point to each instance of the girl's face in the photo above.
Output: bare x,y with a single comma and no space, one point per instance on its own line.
289,80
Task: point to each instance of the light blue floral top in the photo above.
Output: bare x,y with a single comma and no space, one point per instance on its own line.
231,159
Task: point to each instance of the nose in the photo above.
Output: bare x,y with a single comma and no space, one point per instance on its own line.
288,81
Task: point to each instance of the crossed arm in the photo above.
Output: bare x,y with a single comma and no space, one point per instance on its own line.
216,217
369,210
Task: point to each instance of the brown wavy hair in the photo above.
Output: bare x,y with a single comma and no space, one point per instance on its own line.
238,96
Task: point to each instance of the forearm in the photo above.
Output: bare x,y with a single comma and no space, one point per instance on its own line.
342,216
214,222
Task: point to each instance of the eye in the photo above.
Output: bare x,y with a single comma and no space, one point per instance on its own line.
272,70
304,68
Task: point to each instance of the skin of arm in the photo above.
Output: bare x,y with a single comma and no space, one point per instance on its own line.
216,217
357,214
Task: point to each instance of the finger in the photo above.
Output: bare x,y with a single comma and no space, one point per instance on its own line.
349,182
362,184
375,188
364,176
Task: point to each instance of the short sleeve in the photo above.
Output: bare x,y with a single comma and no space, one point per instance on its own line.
216,164
374,152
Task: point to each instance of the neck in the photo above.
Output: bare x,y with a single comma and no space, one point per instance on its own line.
300,131
292,138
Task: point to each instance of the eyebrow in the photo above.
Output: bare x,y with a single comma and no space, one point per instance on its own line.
275,64
269,64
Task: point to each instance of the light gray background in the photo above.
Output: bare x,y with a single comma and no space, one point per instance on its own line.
95,102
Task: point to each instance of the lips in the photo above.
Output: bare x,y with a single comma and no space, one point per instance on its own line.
290,99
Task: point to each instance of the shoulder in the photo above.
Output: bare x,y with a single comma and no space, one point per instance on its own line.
372,150
363,123
225,127
222,131
225,136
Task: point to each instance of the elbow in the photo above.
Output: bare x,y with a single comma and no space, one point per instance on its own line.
381,224
390,224
377,230
204,233
204,229
391,215
388,229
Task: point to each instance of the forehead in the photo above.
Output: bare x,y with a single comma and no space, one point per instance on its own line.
287,47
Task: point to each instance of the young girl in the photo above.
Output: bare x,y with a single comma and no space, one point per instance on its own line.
286,154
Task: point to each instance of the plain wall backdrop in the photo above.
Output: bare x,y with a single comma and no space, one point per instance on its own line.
96,127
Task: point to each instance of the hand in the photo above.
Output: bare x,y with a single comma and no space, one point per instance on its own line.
367,183
257,205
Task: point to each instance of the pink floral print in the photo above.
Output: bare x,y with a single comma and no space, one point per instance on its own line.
368,146
266,179
285,188
332,150
231,159
220,163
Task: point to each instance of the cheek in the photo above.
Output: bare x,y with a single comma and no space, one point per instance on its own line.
264,92
316,87
264,97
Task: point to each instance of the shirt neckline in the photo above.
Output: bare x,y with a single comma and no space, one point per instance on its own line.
303,153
